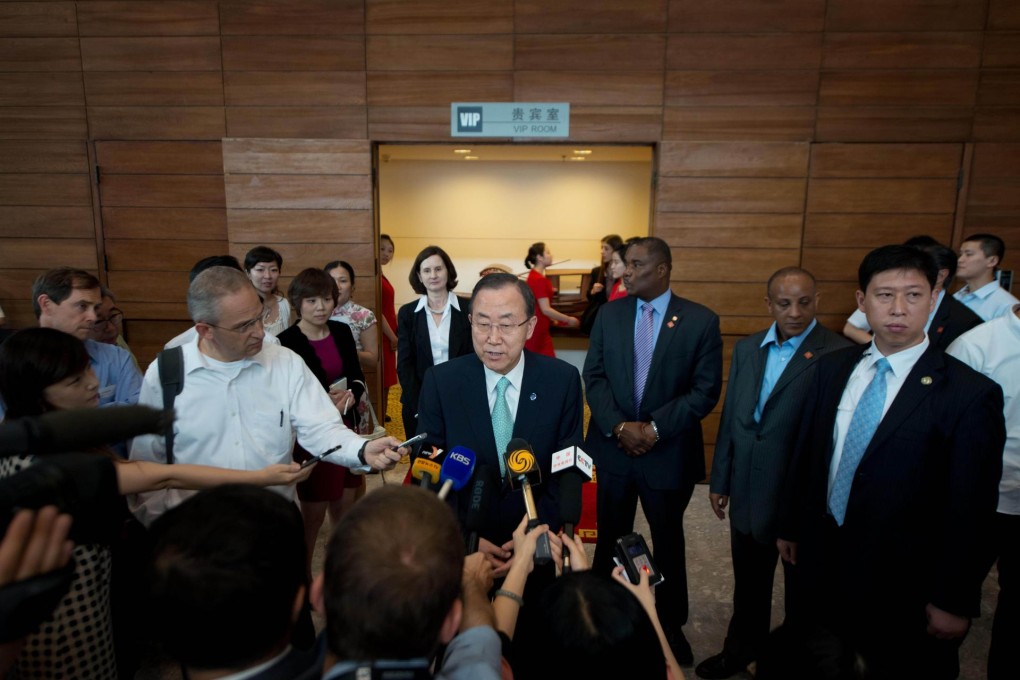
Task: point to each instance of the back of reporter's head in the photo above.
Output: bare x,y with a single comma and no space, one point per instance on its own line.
227,577
592,625
392,576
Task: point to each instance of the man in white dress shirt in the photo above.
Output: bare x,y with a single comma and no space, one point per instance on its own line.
980,257
243,401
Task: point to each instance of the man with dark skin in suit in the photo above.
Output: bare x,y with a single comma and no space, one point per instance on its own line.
769,377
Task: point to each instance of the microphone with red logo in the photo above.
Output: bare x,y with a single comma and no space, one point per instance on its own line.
573,468
456,470
522,470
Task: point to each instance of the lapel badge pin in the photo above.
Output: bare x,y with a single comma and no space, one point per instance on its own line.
940,329
534,396
672,322
926,380
808,355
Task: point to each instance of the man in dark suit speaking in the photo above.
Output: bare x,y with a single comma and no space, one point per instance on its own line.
895,482
482,400
653,371
769,377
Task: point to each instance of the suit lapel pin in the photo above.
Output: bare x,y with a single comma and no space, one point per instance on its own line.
672,322
926,380
940,329
534,396
808,355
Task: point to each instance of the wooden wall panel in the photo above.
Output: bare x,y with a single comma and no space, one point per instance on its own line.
999,88
43,157
301,226
296,157
149,191
438,88
741,88
320,192
886,160
992,199
744,51
440,52
38,19
154,88
874,229
902,50
146,158
155,255
283,88
746,16
753,265
44,189
730,195
413,123
296,121
46,222
165,18
875,196
621,52
893,124
164,122
586,88
285,53
897,88
43,122
39,54
29,253
168,223
280,17
713,123
905,15
734,159
1001,50
613,124
1003,14
721,230
41,89
151,54
439,17
581,16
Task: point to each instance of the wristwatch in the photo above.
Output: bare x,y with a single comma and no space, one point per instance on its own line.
361,454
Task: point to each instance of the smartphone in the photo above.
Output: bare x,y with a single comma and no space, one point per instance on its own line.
413,440
340,384
315,459
633,555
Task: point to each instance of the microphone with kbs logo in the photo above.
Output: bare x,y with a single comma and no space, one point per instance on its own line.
573,468
483,490
523,471
456,470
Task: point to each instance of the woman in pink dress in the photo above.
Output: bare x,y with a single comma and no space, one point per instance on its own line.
538,259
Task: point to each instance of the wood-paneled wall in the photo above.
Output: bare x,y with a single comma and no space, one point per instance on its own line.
136,137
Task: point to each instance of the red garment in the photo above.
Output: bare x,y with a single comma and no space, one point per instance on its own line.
389,351
540,342
618,291
327,481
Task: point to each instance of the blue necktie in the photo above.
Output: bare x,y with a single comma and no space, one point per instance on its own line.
643,354
502,422
866,418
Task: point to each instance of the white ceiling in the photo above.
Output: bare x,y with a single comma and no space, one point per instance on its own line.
513,152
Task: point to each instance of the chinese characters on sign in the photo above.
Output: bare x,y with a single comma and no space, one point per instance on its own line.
516,120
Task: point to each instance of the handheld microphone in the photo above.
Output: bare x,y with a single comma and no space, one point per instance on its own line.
426,471
573,468
570,510
456,470
522,468
483,489
77,429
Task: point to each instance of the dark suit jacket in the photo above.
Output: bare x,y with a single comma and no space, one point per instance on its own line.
683,386
923,497
454,411
751,459
414,349
952,319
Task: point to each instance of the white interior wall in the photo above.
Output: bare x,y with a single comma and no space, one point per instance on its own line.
491,211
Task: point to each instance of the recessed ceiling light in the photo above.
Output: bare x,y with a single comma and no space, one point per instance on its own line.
582,152
471,158
577,158
462,150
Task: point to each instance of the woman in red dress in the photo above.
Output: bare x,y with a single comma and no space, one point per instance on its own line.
388,315
537,260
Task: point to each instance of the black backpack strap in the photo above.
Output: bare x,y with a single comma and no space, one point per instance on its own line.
171,377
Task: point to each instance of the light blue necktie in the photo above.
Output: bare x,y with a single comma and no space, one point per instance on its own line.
643,354
866,418
502,422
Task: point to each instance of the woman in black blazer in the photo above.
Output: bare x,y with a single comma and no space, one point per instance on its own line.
430,330
328,349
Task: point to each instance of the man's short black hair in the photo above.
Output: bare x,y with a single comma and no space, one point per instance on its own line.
226,568
888,258
498,280
393,571
656,247
944,258
788,271
990,245
213,261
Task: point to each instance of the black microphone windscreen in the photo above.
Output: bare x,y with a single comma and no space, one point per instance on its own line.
570,498
78,429
483,489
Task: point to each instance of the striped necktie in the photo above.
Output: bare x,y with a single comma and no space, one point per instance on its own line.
643,353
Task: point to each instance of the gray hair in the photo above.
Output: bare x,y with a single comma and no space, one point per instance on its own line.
209,287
